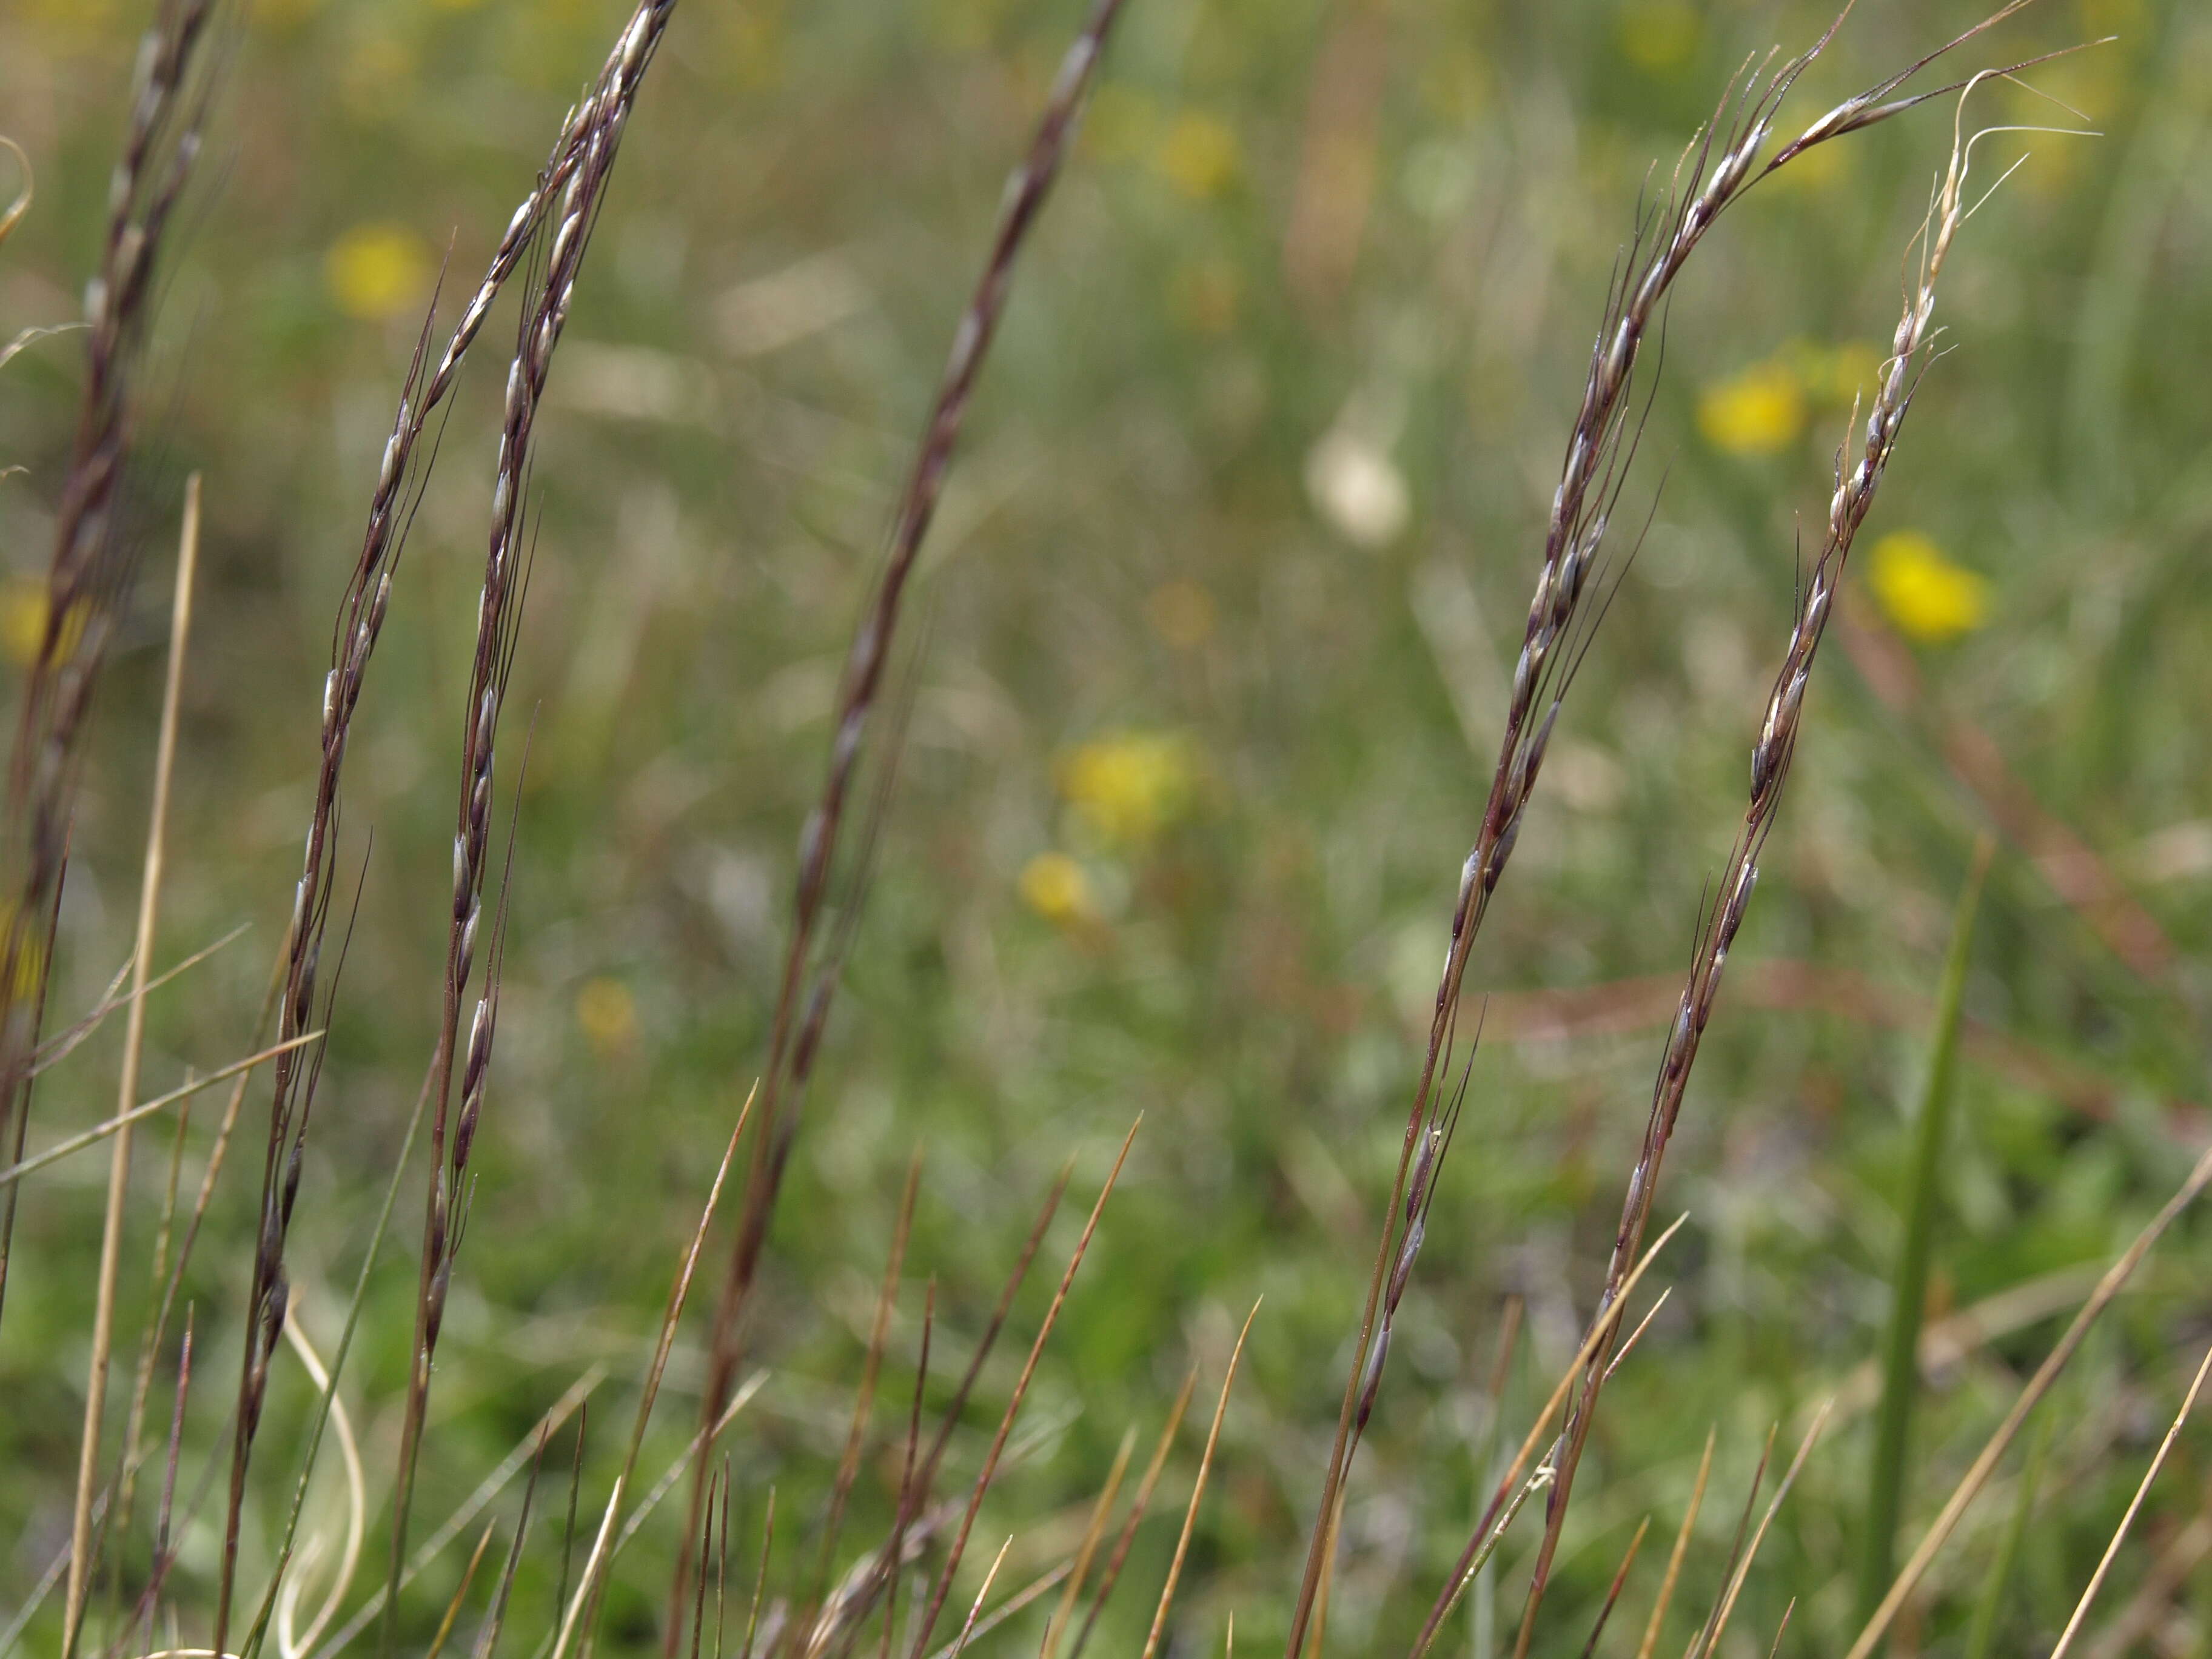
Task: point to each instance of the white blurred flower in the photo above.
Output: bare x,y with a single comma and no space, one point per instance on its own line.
1356,488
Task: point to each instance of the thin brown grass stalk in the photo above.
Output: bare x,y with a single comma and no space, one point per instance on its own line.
921,1645
2128,1520
494,1620
1197,1490
1510,1490
1857,483
588,1588
1039,1586
489,1488
894,1556
808,986
1722,164
2030,1396
848,1463
134,1047
850,1605
1612,1594
1139,1506
1652,1626
760,1579
498,619
1709,1642
166,1279
1079,1570
990,1578
88,579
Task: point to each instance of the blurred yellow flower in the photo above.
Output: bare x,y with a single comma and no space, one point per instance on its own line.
1927,596
1181,613
608,1014
1197,155
1656,35
23,622
22,619
30,959
1053,885
1127,789
1755,412
377,270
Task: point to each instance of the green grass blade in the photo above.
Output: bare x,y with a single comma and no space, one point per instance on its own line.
1900,1366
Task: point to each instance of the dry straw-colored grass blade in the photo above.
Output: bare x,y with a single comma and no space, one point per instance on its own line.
1665,1597
1197,1490
2135,1507
2030,1396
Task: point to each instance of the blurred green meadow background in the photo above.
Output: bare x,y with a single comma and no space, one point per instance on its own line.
1218,621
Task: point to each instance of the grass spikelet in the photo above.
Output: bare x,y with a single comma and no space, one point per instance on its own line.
1857,483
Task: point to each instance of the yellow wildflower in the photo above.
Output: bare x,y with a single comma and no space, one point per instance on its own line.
376,270
1197,155
1927,596
1755,412
23,622
1053,885
1658,35
1127,789
608,1014
22,619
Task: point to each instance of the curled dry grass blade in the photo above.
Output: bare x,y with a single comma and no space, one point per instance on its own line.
1198,1489
807,988
1856,485
288,1645
529,1449
1900,1384
2135,1505
134,1048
